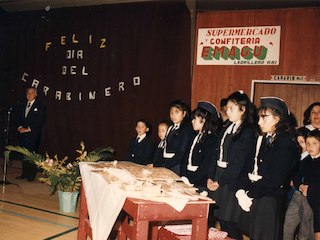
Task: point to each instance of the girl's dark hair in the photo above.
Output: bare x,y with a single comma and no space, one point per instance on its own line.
303,132
249,117
223,102
165,122
181,105
314,133
307,113
148,125
284,124
212,123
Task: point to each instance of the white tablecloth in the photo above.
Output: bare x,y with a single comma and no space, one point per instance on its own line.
105,201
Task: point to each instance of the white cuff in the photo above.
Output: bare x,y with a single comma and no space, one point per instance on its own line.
240,193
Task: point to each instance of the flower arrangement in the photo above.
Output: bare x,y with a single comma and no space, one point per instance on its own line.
58,173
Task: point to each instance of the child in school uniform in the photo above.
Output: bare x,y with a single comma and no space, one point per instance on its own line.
177,138
158,152
236,146
262,195
299,212
141,147
308,178
203,150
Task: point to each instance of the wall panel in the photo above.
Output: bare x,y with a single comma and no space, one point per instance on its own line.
299,51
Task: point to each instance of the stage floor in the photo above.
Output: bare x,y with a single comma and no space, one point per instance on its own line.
29,212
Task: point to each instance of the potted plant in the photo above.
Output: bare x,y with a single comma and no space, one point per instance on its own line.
61,175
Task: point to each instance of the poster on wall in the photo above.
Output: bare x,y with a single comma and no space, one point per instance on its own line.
258,45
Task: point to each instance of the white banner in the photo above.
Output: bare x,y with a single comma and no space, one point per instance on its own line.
259,45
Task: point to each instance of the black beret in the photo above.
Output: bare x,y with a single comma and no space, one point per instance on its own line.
275,103
208,106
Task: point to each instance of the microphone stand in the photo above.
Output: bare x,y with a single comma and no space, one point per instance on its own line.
7,129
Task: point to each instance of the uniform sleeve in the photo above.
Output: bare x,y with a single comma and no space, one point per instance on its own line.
298,179
18,115
146,156
129,151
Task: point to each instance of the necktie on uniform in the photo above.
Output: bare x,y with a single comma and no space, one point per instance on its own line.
268,140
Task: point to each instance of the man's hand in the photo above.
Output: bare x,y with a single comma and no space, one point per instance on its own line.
303,189
24,130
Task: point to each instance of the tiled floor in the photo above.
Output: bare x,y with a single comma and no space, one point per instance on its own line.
29,212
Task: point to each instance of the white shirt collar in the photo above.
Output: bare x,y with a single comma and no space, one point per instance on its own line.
310,127
141,137
316,156
176,125
270,135
303,155
31,102
233,127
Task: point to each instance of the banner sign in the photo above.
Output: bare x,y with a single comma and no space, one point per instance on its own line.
73,51
259,45
288,78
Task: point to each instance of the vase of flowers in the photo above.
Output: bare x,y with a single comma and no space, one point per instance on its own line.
68,201
60,174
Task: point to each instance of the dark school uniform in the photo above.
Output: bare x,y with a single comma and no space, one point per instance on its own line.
309,174
201,158
140,152
238,148
275,162
157,158
176,147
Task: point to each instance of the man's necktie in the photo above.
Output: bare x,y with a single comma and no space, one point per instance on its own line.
27,109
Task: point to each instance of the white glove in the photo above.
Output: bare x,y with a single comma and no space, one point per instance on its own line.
185,180
244,201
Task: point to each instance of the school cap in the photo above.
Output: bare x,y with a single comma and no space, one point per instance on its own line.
275,103
208,106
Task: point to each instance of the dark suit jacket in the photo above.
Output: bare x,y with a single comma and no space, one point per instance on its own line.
34,120
240,151
178,143
204,155
275,163
140,153
309,174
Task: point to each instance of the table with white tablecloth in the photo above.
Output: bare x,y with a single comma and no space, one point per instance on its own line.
108,188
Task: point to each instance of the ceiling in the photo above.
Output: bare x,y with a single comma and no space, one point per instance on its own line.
29,5
200,5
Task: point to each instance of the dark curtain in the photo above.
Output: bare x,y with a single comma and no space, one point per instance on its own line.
105,50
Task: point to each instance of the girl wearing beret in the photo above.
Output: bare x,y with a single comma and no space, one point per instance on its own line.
263,189
202,153
236,146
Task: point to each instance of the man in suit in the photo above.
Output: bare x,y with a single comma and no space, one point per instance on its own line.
30,117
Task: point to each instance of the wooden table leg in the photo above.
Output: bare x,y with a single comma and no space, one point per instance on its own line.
83,216
154,232
140,230
199,229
